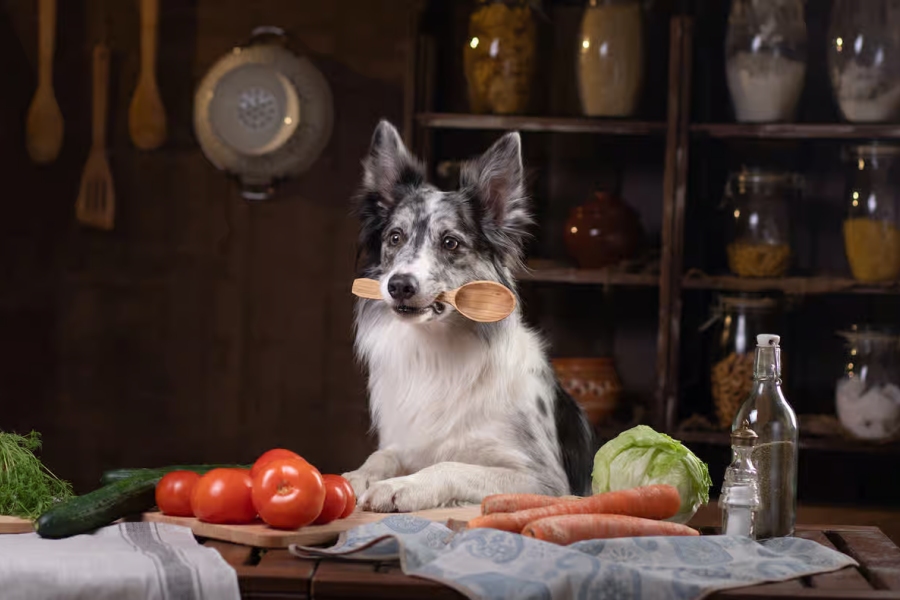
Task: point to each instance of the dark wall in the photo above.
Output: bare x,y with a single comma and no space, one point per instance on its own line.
201,329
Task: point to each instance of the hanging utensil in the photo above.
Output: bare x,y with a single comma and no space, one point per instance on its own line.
96,199
44,125
482,301
147,115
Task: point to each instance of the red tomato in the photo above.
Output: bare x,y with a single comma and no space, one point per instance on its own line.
269,456
335,500
173,493
224,496
351,497
288,493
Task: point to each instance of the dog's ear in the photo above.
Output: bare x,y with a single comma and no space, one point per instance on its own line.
497,180
390,170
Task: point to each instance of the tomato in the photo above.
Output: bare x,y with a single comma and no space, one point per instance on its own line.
224,496
173,493
288,493
351,497
269,456
335,500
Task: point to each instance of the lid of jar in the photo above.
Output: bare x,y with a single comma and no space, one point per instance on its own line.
743,435
762,175
765,340
874,149
866,333
760,302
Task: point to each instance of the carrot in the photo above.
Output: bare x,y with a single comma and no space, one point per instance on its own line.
507,503
568,529
659,501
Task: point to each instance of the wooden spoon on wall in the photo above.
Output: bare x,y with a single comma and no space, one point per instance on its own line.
482,301
146,115
44,125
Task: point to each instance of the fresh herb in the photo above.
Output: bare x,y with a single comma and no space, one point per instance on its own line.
27,487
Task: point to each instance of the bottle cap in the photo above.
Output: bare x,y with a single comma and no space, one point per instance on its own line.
743,435
764,340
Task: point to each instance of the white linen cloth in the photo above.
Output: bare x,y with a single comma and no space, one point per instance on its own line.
140,561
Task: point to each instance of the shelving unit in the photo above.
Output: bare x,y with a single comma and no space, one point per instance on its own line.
685,125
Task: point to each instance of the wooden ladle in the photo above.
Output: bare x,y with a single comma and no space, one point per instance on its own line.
481,301
147,115
44,124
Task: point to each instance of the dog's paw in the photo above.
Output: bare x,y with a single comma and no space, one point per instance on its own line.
401,494
361,480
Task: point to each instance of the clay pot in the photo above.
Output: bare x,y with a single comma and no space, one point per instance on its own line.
593,383
601,232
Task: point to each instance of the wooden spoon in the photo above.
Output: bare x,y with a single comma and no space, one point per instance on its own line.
96,198
146,115
482,301
44,125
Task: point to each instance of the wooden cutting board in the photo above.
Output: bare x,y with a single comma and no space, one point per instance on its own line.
263,536
15,525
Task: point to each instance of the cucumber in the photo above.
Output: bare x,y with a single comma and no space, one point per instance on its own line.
101,507
114,475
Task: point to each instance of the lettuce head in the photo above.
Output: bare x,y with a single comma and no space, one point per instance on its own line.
642,456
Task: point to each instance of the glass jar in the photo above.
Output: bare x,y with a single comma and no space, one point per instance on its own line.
864,59
739,320
765,59
499,56
759,233
872,227
610,59
867,396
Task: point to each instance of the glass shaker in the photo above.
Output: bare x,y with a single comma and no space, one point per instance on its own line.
739,499
867,397
610,59
759,242
864,59
765,59
872,227
739,320
499,56
775,454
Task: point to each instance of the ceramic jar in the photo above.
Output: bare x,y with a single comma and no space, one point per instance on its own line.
602,232
593,383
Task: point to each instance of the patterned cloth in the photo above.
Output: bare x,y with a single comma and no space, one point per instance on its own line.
485,563
139,561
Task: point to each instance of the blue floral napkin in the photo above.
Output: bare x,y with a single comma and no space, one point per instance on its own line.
485,563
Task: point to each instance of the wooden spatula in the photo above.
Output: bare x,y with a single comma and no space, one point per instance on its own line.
482,301
96,205
44,124
146,115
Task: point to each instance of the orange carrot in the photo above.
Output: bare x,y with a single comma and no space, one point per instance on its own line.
568,529
659,501
507,503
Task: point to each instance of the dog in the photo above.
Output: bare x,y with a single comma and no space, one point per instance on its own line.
462,409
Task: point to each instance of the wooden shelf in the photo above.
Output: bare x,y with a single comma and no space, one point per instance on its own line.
789,285
798,131
546,271
540,124
831,444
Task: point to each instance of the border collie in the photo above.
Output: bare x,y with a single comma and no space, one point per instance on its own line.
462,409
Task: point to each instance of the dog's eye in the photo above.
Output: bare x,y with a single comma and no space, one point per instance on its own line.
450,243
394,239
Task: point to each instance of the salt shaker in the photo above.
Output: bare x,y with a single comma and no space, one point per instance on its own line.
739,499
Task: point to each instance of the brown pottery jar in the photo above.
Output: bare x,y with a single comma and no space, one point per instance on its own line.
602,232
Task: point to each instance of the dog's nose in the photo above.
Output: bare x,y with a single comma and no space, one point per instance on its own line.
402,287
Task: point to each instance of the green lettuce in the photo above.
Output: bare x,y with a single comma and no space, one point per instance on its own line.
642,456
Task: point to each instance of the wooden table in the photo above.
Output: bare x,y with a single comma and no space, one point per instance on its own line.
277,574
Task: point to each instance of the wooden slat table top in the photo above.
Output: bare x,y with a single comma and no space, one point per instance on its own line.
278,575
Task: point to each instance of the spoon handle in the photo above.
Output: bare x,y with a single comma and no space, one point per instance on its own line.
149,23
367,288
46,41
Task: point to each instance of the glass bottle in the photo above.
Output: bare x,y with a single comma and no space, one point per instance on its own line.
759,243
739,499
872,227
765,59
775,455
610,59
499,56
864,59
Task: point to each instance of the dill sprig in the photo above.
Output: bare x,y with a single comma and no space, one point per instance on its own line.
27,487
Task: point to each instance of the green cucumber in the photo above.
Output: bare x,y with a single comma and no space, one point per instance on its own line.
99,508
114,475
